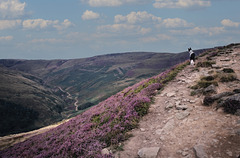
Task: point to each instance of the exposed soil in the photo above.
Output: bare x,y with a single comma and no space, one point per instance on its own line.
176,132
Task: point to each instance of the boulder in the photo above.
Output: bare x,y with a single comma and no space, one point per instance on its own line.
232,104
208,100
151,152
199,151
210,89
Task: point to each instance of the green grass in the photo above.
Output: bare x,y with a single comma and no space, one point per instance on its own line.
206,64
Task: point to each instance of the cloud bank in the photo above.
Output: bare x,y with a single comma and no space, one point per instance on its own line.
11,8
89,15
181,3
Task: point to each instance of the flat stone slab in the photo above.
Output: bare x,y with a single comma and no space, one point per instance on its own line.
182,115
151,152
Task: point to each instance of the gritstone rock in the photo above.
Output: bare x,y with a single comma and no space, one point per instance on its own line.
182,115
199,151
151,152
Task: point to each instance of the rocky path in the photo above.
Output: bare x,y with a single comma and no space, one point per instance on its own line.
179,126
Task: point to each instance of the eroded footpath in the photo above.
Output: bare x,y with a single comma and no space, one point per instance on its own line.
179,126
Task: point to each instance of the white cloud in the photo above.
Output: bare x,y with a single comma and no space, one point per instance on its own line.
181,3
6,38
137,17
64,25
101,3
112,3
200,30
38,23
8,24
43,24
175,22
229,23
144,30
124,28
11,8
89,15
116,27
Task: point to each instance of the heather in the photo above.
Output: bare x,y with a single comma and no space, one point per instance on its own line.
104,125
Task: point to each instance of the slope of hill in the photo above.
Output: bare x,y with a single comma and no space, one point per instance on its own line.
25,103
92,80
80,83
109,123
196,115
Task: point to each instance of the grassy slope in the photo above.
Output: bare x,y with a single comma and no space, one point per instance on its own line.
26,104
104,125
94,79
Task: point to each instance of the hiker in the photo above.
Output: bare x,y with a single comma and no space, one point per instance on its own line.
192,56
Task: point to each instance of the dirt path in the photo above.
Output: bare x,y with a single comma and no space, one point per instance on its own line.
69,96
177,121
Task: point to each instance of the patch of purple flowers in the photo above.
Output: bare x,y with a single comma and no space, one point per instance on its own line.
104,125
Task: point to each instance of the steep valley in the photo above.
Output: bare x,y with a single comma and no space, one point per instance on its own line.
36,93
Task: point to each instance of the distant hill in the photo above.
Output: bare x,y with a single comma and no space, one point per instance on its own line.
91,80
26,104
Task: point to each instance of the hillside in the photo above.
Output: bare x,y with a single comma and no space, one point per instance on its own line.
94,79
196,115
193,112
46,91
26,104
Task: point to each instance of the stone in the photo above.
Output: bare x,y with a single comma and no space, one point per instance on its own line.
142,130
226,59
199,151
151,152
236,90
192,101
225,65
208,100
216,66
181,107
169,106
178,103
170,125
185,153
182,115
172,94
209,89
232,104
105,151
220,95
186,100
229,153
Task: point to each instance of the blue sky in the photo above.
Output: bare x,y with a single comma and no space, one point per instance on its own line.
66,29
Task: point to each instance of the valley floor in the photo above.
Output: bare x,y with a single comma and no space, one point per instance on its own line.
179,126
